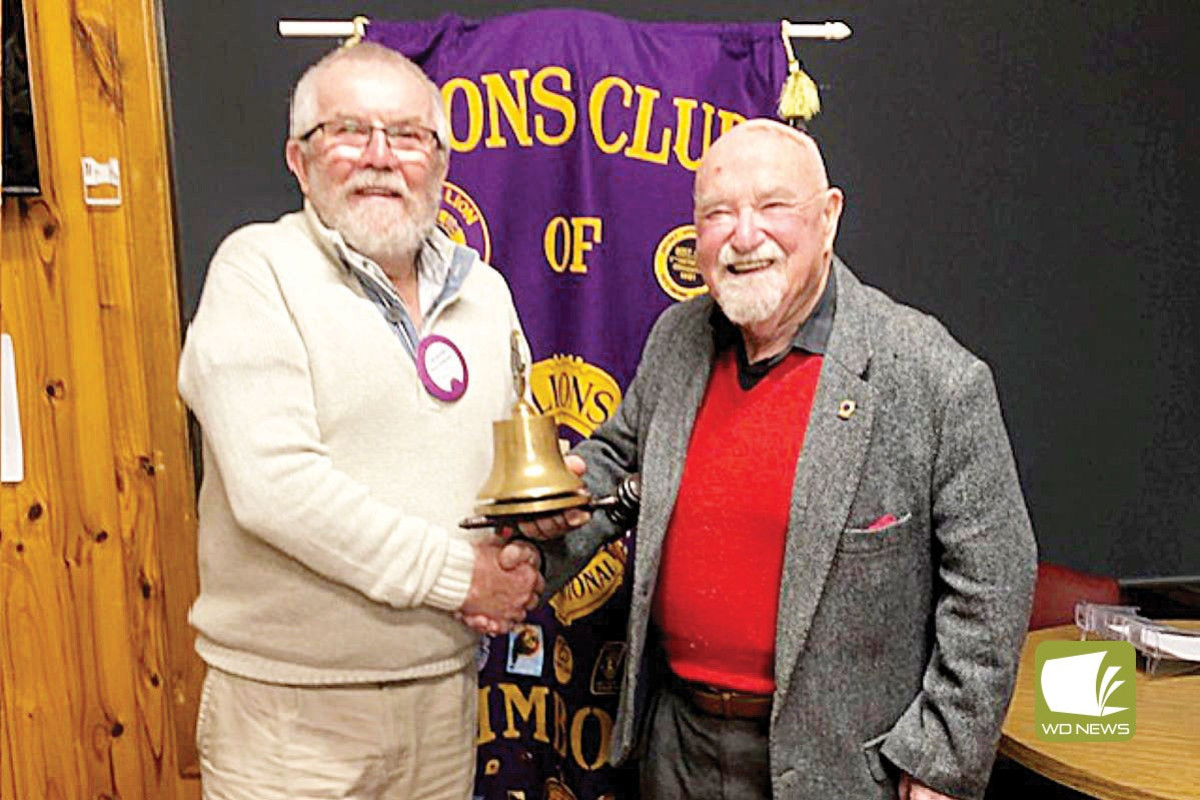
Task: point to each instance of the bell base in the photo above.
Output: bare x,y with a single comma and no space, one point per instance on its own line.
503,514
505,509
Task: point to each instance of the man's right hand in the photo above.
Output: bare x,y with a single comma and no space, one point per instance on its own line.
504,585
556,526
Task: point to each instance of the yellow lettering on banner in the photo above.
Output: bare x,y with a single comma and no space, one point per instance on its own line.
596,112
641,129
570,729
514,699
683,131
543,97
484,733
512,97
560,725
572,247
463,205
593,586
580,244
728,120
579,395
474,101
515,109
550,244
606,724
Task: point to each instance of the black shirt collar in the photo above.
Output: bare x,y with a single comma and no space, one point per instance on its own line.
812,337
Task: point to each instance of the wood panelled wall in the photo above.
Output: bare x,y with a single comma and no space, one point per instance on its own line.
98,682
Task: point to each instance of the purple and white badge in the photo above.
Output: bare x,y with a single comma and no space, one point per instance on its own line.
442,368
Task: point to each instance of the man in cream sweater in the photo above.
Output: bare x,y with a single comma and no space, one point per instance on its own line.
346,363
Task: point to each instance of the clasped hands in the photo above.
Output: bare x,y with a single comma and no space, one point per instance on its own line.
507,581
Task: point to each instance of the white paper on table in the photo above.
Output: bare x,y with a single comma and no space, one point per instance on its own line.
1160,639
12,457
1175,643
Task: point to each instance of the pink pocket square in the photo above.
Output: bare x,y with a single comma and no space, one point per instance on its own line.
882,522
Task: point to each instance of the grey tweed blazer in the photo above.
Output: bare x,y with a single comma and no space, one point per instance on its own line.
896,649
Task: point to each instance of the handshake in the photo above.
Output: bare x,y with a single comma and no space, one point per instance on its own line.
507,580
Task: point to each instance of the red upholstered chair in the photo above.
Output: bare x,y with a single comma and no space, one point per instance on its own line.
1060,588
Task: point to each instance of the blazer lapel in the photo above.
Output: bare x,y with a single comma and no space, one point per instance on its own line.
667,442
827,477
683,383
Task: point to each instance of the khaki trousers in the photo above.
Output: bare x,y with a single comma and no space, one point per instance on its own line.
407,739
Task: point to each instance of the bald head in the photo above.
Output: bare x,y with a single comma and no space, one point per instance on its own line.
796,154
766,219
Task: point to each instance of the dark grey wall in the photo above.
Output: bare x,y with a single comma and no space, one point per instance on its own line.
1026,172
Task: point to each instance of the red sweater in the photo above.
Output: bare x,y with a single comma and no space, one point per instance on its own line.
718,586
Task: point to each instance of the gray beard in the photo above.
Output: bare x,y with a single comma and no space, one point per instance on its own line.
378,231
384,234
750,299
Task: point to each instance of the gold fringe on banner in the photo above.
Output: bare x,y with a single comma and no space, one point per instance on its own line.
799,100
360,30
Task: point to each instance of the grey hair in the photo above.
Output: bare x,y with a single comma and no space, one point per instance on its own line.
303,111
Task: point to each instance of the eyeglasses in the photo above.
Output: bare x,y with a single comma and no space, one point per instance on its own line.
403,138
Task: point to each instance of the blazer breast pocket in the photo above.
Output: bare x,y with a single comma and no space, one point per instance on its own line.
883,534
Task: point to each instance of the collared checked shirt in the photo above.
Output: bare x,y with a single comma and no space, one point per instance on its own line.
812,337
439,275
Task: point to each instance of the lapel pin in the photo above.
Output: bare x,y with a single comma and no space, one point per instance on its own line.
846,409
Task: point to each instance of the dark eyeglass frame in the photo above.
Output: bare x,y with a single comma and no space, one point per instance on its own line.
390,132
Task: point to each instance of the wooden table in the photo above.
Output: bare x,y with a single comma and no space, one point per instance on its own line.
1160,762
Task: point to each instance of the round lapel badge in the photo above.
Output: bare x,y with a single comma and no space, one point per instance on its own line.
442,368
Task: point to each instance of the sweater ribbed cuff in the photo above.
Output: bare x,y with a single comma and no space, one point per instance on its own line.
449,591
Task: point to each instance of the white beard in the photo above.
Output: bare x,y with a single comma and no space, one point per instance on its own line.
381,230
753,297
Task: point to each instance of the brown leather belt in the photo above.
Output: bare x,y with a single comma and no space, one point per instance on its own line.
724,703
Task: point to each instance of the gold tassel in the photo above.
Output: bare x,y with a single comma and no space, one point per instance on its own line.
360,30
799,100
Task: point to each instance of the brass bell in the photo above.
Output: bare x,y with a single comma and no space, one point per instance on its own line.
528,475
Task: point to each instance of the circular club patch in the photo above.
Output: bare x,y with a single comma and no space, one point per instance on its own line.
462,220
675,264
442,368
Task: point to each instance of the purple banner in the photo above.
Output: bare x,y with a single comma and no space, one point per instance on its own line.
575,139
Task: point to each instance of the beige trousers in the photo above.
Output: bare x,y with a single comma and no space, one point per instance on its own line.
408,739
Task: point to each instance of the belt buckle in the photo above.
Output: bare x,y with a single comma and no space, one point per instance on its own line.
726,700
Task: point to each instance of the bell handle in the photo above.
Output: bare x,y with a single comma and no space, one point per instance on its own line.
621,507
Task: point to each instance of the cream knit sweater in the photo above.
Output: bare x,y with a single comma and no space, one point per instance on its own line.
333,483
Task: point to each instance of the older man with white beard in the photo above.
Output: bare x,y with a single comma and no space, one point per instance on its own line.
346,363
834,562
